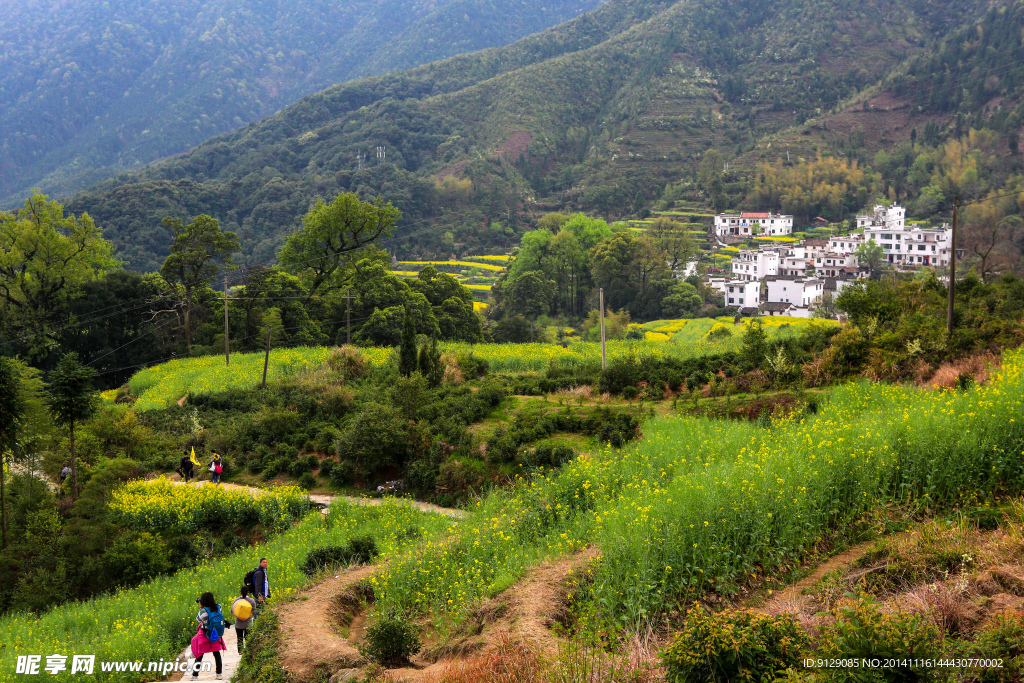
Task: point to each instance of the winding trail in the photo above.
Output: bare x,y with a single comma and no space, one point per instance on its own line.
306,623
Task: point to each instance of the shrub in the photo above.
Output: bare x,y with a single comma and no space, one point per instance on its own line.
298,467
502,447
862,630
1002,638
391,642
327,438
340,473
733,645
307,481
358,550
347,362
551,456
472,367
273,425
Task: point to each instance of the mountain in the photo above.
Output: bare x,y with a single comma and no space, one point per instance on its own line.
92,88
600,113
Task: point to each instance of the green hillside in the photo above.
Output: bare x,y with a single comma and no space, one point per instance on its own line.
600,114
97,88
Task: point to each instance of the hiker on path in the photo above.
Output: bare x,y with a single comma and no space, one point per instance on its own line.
215,467
243,616
262,585
208,618
186,470
65,472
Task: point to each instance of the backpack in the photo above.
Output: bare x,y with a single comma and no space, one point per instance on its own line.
242,609
214,624
250,582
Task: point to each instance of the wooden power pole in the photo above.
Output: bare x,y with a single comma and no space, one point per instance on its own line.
227,341
266,362
952,268
604,355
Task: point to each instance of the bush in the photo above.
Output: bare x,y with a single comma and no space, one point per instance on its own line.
358,550
862,630
308,481
733,645
298,467
327,438
472,367
549,455
1002,638
391,642
502,447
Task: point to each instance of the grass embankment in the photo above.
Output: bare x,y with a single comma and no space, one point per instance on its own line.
702,505
156,620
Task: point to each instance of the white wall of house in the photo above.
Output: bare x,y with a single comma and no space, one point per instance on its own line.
742,293
743,224
755,265
797,291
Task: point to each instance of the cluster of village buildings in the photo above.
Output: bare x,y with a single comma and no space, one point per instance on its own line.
793,279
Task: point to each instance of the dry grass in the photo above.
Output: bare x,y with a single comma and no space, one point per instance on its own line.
577,394
513,661
977,368
452,371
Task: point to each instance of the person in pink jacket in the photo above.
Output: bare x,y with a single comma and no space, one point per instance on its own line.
209,613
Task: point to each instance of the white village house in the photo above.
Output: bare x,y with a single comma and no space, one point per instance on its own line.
755,265
799,291
739,293
743,224
904,246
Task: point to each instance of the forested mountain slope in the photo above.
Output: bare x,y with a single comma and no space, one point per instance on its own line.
972,78
92,88
599,113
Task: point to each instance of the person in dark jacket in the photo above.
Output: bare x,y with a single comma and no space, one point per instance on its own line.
261,585
186,468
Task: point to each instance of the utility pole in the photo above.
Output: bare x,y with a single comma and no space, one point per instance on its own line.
952,268
266,362
348,315
604,355
227,342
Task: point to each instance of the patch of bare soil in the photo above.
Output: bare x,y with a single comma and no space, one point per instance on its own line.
517,143
310,634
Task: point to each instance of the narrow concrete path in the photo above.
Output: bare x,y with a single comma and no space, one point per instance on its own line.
229,659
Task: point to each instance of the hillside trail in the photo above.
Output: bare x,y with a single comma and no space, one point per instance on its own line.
792,599
311,635
324,624
19,468
326,500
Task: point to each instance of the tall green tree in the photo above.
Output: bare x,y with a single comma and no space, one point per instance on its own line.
331,234
674,240
871,254
198,253
12,408
45,259
72,398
